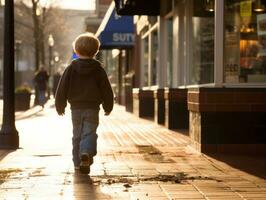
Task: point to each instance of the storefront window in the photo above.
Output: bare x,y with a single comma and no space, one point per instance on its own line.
154,57
149,54
145,62
169,52
245,41
202,42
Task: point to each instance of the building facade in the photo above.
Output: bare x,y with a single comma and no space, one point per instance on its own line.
202,70
93,21
1,47
116,34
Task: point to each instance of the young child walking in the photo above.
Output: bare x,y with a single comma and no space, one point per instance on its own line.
85,85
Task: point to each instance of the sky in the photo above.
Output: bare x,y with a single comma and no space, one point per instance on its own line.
72,4
78,4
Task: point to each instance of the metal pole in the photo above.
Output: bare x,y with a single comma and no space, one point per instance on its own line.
9,138
17,54
50,69
51,44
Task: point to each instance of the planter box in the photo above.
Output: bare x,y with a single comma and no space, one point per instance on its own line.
22,101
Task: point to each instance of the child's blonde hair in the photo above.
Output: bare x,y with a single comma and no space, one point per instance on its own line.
86,44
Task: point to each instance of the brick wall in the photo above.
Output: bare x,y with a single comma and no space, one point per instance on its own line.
227,99
228,119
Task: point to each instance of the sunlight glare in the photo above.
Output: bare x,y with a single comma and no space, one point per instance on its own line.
78,4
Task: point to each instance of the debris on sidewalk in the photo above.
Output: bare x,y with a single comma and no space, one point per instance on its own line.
5,173
127,181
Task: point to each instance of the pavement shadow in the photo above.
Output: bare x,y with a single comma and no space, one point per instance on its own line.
251,164
34,112
4,153
84,188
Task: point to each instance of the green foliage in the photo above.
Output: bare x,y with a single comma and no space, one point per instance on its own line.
23,89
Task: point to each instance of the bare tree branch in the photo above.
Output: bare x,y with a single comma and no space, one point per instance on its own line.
34,22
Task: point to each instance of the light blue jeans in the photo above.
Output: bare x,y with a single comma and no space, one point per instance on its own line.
84,140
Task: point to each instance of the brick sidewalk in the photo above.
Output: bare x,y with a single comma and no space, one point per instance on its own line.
136,160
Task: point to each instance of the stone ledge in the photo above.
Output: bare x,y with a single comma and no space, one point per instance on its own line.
227,99
139,93
245,149
175,94
158,94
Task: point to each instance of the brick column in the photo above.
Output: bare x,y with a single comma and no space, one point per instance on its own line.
176,111
143,103
228,119
159,106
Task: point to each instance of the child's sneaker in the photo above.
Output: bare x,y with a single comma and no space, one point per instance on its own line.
86,161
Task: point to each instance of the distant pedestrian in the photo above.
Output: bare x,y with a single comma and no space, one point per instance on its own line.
85,85
40,80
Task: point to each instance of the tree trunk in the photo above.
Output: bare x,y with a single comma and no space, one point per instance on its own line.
42,36
36,29
36,26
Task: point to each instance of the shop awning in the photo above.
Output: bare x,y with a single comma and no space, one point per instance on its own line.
116,31
137,7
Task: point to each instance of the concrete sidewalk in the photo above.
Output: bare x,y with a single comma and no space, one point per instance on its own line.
136,160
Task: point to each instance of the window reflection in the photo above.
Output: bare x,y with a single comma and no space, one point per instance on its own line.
150,59
146,61
154,57
245,41
202,41
169,52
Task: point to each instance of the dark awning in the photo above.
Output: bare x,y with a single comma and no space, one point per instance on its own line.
137,7
116,31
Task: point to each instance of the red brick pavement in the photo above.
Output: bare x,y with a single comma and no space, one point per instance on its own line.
137,159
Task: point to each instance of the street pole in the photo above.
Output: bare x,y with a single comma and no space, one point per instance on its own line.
17,50
49,70
9,138
50,44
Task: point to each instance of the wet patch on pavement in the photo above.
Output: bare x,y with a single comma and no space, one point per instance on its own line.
37,173
152,154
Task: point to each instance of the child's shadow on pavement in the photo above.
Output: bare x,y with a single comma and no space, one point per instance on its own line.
85,189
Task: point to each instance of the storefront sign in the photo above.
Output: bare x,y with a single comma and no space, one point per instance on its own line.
116,31
123,37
